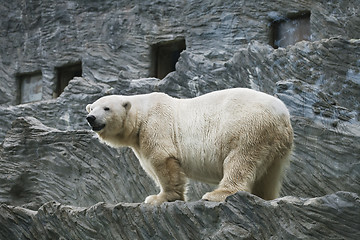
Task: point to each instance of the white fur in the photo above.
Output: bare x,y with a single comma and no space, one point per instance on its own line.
237,138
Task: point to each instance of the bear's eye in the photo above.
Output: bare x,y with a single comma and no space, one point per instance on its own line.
106,108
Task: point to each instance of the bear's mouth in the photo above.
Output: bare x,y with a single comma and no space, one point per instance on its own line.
98,128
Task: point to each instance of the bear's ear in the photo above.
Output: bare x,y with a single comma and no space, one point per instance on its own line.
88,108
126,105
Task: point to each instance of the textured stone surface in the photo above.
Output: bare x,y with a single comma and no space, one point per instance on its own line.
112,39
243,216
48,153
65,113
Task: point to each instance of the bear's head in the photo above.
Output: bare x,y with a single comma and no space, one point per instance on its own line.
107,116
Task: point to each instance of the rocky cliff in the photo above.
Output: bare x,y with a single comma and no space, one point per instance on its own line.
58,181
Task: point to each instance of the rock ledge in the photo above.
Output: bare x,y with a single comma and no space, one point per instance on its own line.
242,216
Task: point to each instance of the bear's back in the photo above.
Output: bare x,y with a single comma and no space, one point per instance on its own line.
232,100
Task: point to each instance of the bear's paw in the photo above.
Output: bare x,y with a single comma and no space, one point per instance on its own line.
156,199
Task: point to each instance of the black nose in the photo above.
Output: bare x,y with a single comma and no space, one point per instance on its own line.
91,119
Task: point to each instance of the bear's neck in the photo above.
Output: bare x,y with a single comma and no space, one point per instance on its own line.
132,125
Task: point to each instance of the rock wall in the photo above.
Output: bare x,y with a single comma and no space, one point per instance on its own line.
113,39
48,154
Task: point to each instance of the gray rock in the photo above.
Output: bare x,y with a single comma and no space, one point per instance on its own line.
326,155
65,113
242,216
113,39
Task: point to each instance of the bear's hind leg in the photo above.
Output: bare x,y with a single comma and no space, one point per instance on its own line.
269,185
172,181
235,178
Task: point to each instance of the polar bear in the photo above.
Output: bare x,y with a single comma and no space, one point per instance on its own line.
237,138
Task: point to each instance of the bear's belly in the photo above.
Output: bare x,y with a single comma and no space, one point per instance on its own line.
207,169
199,151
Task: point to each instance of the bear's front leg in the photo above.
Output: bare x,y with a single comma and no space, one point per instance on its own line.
171,179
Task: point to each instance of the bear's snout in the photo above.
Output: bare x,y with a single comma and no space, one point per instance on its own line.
91,119
96,126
